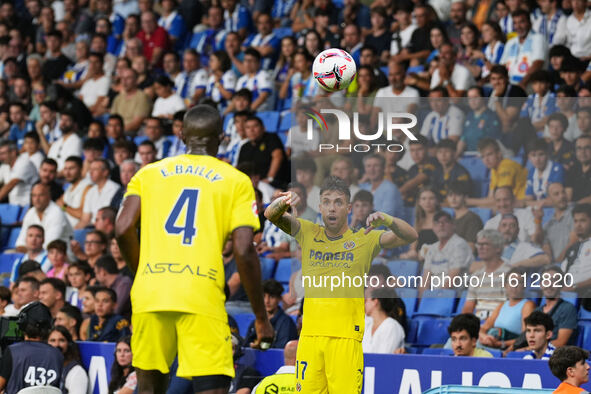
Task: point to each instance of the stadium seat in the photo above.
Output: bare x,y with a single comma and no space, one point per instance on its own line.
80,236
475,167
270,120
384,69
408,215
438,351
461,302
139,139
438,302
533,295
24,212
243,320
281,32
267,268
403,267
411,333
410,298
495,353
515,354
432,331
283,270
7,260
584,336
484,213
584,314
14,233
9,214
285,123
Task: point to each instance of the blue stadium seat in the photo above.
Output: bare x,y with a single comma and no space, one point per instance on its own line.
403,267
283,104
281,32
24,212
438,302
533,295
438,351
14,233
461,302
484,213
283,137
475,167
410,298
7,260
411,334
571,297
283,270
408,215
584,314
139,139
285,123
496,353
243,320
80,236
431,331
9,214
267,268
449,210
270,120
384,69
584,334
515,354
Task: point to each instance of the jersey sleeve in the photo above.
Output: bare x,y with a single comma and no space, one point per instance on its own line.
244,206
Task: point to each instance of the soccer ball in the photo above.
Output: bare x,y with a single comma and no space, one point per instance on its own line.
334,69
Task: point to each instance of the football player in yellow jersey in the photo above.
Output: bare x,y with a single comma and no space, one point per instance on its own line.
188,206
330,356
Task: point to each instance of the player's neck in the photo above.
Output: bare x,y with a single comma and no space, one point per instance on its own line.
331,234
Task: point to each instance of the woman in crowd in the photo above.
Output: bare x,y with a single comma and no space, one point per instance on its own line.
470,40
222,80
383,334
285,62
123,378
313,43
438,37
74,379
426,206
494,40
57,254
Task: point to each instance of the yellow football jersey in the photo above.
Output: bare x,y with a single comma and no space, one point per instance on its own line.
190,204
339,312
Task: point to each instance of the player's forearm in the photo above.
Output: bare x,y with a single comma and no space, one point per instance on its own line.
276,214
129,245
403,230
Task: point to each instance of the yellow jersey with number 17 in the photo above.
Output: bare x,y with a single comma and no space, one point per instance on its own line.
333,278
190,204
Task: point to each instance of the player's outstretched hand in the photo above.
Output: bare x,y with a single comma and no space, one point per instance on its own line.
377,219
291,199
265,335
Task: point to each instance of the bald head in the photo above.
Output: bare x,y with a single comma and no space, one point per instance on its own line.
202,127
289,352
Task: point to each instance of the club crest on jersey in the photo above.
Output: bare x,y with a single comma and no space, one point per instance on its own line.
298,387
348,245
255,209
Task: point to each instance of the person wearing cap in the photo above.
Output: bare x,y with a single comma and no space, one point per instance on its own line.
451,254
283,380
31,269
31,362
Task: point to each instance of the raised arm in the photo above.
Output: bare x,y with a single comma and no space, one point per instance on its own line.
401,233
277,214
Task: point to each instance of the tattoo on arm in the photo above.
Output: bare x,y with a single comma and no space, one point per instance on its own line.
399,233
276,213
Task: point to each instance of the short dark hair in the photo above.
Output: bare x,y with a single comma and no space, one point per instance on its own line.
179,115
74,313
96,144
244,93
440,89
458,187
541,76
5,294
110,292
59,245
54,33
75,159
584,109
442,214
333,183
446,143
29,279
124,144
118,118
107,263
465,321
363,195
98,55
488,143
164,81
304,165
84,267
537,318
148,143
500,70
522,13
33,136
57,285
536,145
564,358
272,287
297,185
559,117
256,119
379,269
254,53
584,208
50,161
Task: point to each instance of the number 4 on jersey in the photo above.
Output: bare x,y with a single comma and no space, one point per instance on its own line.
188,197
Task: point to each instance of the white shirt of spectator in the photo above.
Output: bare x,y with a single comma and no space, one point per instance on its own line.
65,147
461,78
197,80
405,36
521,251
557,23
267,191
228,81
437,127
258,83
97,199
579,34
76,378
260,41
73,198
36,158
388,337
168,106
52,134
489,294
519,57
581,268
92,89
298,142
456,254
41,258
491,53
388,101
24,170
525,218
54,222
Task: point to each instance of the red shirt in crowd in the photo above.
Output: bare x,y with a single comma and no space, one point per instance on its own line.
158,39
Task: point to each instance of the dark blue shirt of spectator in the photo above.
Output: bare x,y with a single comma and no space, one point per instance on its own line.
20,125
105,326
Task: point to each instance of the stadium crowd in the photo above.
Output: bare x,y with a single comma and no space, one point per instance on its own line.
497,180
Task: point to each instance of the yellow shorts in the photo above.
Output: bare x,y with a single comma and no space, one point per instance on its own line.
203,344
329,365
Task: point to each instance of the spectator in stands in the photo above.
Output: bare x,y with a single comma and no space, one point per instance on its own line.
121,263
445,121
419,46
87,310
551,23
78,276
538,332
168,102
578,29
52,293
569,365
578,177
407,96
155,133
505,204
4,299
105,325
463,331
386,195
560,150
555,234
69,144
123,377
27,291
361,207
451,254
48,127
542,103
154,39
482,300
74,378
107,274
31,268
426,207
95,246
285,375
542,173
147,153
17,174
584,119
480,122
48,215
505,99
56,62
467,223
383,334
20,125
503,326
57,253
285,329
420,172
342,167
519,253
571,71
191,83
95,89
300,83
525,53
448,170
266,151
127,170
305,171
33,250
99,195
72,201
257,80
178,146
47,176
31,148
132,104
264,42
503,172
70,318
454,78
578,255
